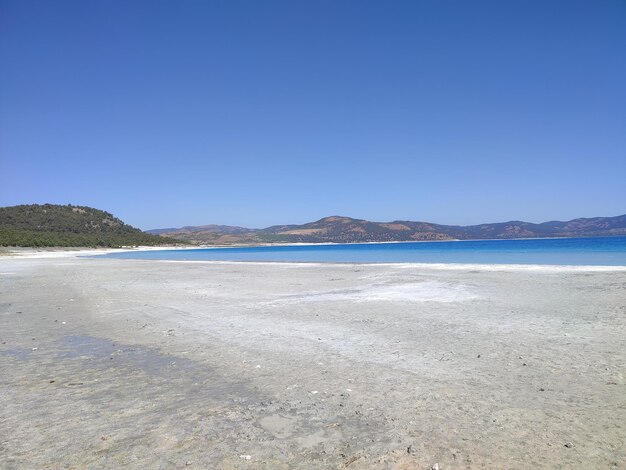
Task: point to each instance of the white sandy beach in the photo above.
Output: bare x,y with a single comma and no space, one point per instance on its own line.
154,364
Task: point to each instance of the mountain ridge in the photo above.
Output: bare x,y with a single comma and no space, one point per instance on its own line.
342,229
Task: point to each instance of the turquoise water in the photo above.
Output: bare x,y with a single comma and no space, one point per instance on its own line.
605,251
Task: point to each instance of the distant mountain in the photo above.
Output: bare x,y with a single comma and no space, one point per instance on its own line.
205,228
337,229
210,234
57,225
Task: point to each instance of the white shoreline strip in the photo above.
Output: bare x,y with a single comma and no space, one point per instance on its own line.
47,254
439,266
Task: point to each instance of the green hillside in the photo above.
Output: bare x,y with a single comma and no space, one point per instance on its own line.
65,226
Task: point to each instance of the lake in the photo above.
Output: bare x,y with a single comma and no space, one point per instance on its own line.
599,251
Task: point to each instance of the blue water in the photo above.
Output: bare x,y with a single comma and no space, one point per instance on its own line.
605,251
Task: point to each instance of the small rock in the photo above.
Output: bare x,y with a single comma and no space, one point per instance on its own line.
412,450
478,356
569,445
188,463
542,389
245,457
435,467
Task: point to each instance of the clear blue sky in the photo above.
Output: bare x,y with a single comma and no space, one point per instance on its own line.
254,113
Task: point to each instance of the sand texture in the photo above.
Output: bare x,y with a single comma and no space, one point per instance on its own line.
157,365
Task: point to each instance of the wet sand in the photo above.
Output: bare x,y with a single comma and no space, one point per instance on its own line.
150,364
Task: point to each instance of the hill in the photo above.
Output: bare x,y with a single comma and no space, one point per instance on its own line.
337,229
57,225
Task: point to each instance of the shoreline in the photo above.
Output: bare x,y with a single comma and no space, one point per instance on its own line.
38,253
63,252
438,266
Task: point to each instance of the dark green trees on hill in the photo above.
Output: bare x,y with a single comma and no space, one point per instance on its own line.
57,225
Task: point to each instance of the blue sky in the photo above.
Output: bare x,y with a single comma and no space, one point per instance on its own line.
254,113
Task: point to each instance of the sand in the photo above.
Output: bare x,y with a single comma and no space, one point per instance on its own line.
150,364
